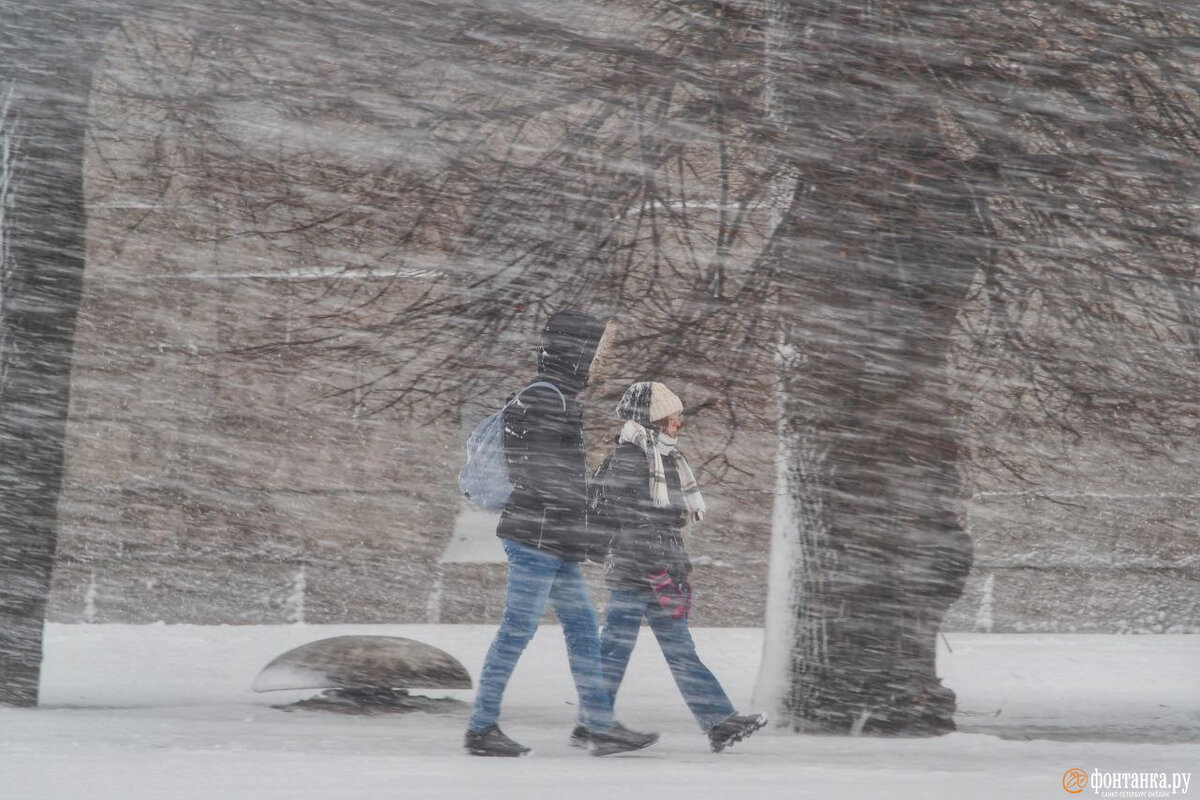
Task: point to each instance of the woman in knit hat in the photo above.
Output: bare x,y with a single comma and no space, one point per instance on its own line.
646,494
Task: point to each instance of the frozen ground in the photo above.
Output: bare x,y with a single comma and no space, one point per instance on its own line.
166,713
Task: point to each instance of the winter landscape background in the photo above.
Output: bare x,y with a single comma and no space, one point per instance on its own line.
918,270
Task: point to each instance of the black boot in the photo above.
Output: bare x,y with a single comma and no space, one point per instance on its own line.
580,737
619,739
493,742
733,729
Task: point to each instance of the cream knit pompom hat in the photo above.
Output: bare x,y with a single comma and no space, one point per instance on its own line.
647,402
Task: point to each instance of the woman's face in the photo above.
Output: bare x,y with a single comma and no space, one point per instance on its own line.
672,425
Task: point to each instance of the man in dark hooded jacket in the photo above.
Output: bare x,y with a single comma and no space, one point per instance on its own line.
543,443
544,532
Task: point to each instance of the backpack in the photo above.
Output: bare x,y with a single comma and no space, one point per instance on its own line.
484,478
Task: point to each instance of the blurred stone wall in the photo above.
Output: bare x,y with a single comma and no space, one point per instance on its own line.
1106,539
202,488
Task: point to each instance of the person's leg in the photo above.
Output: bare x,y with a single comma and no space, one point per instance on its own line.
572,604
531,575
700,689
626,607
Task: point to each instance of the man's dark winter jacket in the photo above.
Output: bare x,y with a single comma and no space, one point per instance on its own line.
643,539
543,444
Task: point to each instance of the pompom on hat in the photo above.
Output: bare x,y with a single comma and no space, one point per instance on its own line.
646,402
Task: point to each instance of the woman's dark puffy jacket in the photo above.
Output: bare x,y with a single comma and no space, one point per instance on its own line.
643,539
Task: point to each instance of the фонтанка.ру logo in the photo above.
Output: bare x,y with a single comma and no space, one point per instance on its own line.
1127,784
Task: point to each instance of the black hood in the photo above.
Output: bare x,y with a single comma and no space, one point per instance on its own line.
569,343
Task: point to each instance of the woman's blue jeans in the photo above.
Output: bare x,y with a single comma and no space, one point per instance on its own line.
700,688
535,577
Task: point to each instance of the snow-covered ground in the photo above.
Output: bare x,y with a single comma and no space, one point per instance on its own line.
166,713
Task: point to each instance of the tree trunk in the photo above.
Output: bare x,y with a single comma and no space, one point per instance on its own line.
880,257
49,58
872,261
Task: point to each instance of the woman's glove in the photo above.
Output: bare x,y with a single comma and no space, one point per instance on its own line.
673,597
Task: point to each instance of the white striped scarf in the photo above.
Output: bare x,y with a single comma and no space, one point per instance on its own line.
656,445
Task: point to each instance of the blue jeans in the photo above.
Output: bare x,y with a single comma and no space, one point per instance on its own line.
699,687
533,578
